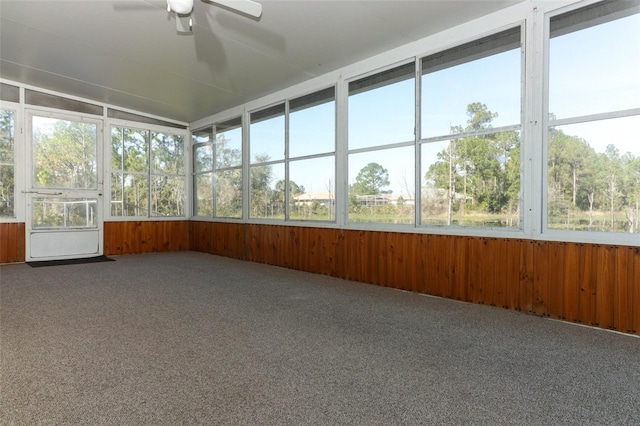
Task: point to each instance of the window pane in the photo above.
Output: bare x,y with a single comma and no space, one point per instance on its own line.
117,200
7,136
381,186
267,197
229,144
267,135
167,153
7,188
228,187
473,181
117,148
312,128
135,195
312,189
485,72
382,108
203,158
64,154
136,149
202,135
594,176
203,205
594,68
167,196
7,185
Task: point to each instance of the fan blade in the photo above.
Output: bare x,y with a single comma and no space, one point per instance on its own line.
248,7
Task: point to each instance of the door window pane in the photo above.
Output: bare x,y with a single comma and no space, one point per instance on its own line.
64,154
64,212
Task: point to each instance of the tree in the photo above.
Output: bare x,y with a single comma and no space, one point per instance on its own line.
6,162
66,157
370,180
479,172
261,193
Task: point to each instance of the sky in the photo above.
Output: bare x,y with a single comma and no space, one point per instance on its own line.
591,71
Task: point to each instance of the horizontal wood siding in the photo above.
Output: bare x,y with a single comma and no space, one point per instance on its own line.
591,284
133,237
12,242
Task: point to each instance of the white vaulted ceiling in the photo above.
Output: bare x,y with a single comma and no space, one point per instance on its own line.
127,52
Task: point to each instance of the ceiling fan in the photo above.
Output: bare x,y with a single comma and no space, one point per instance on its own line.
183,9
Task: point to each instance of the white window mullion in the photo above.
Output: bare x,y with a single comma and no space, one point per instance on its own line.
342,163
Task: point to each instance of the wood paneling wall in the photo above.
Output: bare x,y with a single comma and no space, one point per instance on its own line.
12,241
135,237
597,285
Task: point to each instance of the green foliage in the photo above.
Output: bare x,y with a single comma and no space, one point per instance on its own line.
589,190
7,168
148,178
370,180
65,156
475,174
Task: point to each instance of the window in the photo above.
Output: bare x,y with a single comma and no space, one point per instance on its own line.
267,145
7,166
593,151
382,147
148,174
292,172
470,133
311,165
218,170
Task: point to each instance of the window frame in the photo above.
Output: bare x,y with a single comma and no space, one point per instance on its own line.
148,173
349,151
212,142
288,159
472,43
554,234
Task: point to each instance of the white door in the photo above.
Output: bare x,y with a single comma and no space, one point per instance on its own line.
64,187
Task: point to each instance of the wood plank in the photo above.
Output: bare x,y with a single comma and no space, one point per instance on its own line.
540,277
514,247
571,285
623,290
556,280
489,270
478,258
634,272
500,287
525,299
606,281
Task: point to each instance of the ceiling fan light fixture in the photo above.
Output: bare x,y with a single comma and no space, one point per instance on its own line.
182,7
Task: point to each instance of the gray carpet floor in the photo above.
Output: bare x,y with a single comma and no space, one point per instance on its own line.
190,338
